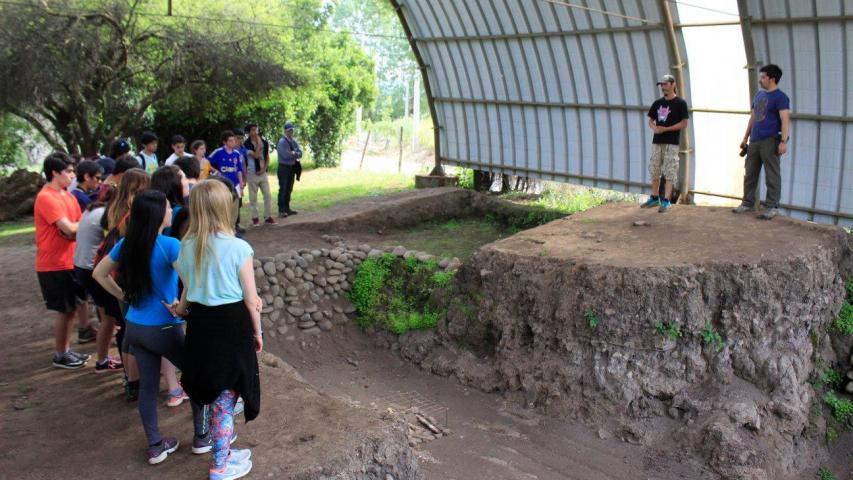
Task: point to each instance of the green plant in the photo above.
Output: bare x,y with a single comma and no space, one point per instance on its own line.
842,408
712,337
850,289
831,435
405,321
367,287
591,319
844,322
670,330
442,279
466,178
825,474
831,377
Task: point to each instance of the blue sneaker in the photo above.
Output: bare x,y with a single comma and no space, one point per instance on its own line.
231,470
158,453
240,455
651,202
664,206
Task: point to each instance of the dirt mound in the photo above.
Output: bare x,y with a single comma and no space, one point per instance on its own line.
699,325
18,194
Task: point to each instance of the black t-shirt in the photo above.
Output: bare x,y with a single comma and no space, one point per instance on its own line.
667,113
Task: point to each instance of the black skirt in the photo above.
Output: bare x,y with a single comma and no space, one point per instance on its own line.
220,355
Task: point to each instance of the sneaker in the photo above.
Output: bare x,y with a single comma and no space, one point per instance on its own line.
108,365
86,335
292,212
158,453
282,215
84,357
664,206
205,444
741,209
651,202
256,222
67,361
270,221
231,470
131,391
769,214
176,398
239,406
238,455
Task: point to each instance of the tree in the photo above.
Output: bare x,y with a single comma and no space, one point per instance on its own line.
92,74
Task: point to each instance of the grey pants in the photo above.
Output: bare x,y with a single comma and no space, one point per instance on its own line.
763,152
149,344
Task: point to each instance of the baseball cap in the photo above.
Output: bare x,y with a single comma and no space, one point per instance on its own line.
288,126
666,79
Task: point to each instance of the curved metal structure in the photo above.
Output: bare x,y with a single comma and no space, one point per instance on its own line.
559,89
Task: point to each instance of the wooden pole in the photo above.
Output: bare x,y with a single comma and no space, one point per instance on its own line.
400,159
364,150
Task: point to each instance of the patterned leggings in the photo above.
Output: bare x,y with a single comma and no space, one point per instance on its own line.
222,426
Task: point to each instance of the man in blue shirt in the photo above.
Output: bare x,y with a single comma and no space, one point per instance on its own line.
768,137
228,162
289,154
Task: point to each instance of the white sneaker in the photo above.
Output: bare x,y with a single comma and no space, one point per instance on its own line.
231,471
239,406
742,209
239,455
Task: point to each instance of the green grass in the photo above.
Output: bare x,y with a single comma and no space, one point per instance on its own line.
326,187
712,337
825,474
18,232
454,238
670,330
842,408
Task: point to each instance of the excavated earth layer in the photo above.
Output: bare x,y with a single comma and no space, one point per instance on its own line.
609,317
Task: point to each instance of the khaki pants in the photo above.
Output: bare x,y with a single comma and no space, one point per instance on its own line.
763,152
259,182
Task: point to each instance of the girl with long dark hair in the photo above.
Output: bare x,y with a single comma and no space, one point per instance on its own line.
148,282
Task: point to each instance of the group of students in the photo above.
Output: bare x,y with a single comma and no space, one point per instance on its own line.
156,252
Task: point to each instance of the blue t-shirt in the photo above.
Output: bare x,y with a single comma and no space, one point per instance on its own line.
766,121
83,198
228,164
164,283
219,280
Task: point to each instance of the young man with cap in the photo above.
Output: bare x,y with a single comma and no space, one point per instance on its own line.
56,214
289,154
767,132
257,161
668,116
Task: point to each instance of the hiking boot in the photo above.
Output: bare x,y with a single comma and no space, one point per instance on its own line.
742,209
231,470
67,361
176,397
270,221
664,206
158,453
256,222
651,202
291,212
109,365
205,444
86,335
769,214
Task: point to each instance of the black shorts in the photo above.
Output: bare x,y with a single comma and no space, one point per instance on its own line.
101,297
60,290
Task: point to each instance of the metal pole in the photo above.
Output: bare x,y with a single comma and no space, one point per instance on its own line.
400,159
751,66
675,55
437,170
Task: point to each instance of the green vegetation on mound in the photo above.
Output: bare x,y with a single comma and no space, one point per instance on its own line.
400,295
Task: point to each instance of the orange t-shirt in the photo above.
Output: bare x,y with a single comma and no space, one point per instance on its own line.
53,251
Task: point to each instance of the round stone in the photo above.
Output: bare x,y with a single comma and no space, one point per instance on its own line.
269,268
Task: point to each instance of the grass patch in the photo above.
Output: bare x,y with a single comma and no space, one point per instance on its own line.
454,238
842,408
326,187
825,474
18,232
670,330
400,295
569,199
844,321
591,319
712,337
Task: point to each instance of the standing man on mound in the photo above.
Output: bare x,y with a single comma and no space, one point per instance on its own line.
667,118
767,132
289,153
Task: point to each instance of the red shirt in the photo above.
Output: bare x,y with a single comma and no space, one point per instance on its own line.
53,251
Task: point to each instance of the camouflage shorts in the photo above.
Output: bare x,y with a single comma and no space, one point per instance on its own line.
664,161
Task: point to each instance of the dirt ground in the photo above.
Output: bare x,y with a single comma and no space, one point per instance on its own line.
75,424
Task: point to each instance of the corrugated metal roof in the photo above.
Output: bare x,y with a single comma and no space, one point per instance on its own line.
558,90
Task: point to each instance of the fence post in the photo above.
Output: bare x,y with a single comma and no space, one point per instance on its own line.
364,150
400,160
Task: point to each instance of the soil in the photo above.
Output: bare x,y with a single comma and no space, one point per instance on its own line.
77,425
